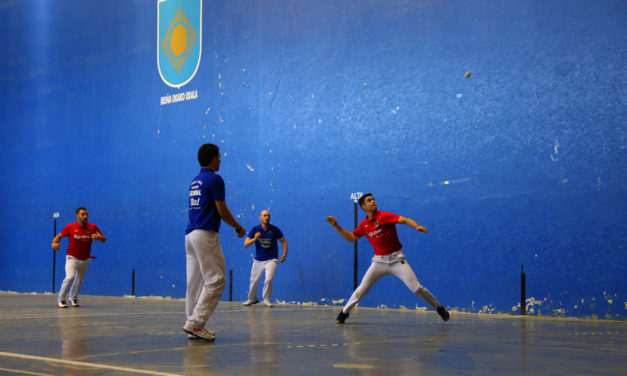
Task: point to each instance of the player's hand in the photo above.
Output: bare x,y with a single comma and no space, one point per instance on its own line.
241,232
56,246
422,229
332,221
96,237
282,258
257,235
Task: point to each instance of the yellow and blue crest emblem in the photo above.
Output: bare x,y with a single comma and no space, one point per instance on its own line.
179,40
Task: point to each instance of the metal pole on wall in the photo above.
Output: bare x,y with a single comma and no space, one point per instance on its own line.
54,253
133,282
230,285
355,250
523,293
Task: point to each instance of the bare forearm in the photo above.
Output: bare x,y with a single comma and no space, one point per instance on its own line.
226,215
230,220
344,233
248,242
55,242
284,244
411,223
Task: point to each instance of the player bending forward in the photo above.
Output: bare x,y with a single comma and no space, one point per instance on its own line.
380,229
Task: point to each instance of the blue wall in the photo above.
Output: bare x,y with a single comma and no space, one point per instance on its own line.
523,162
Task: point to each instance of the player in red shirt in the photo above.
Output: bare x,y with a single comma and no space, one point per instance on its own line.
80,235
380,229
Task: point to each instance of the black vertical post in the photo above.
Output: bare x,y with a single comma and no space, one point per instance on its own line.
230,285
54,256
355,251
133,282
523,293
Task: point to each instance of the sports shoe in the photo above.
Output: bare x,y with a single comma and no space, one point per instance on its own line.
74,302
341,317
199,333
443,313
61,304
268,304
250,302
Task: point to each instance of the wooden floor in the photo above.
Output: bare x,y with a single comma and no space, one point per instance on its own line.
133,336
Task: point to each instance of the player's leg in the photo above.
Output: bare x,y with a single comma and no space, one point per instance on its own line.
194,277
373,274
70,272
255,275
270,267
81,270
405,273
213,269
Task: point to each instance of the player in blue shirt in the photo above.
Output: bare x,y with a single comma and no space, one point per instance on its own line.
265,237
206,269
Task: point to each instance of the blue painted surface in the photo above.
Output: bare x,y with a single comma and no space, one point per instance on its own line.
521,163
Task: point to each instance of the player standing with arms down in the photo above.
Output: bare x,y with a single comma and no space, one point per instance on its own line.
380,229
264,236
206,269
80,235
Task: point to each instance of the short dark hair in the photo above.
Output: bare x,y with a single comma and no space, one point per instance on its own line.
206,153
362,199
79,209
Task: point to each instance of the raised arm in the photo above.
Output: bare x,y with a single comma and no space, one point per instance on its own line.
227,217
250,241
411,223
345,234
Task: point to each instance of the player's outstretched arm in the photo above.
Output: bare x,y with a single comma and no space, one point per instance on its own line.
345,234
411,223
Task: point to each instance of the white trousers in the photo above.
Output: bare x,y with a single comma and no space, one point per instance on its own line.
206,275
269,266
75,271
396,265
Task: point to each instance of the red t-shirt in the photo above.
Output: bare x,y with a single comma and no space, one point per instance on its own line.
381,232
80,239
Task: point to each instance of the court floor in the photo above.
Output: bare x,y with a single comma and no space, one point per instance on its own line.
134,336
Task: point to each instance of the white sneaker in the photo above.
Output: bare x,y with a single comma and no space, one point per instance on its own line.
74,302
268,304
199,333
61,304
250,302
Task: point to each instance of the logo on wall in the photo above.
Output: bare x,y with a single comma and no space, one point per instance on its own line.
179,40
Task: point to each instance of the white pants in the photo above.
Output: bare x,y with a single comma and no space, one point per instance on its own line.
206,275
394,264
75,271
269,266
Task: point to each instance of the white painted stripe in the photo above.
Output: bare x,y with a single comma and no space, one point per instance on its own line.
84,364
357,366
93,315
25,372
147,313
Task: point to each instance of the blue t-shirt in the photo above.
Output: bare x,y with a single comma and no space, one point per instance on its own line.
206,188
266,246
